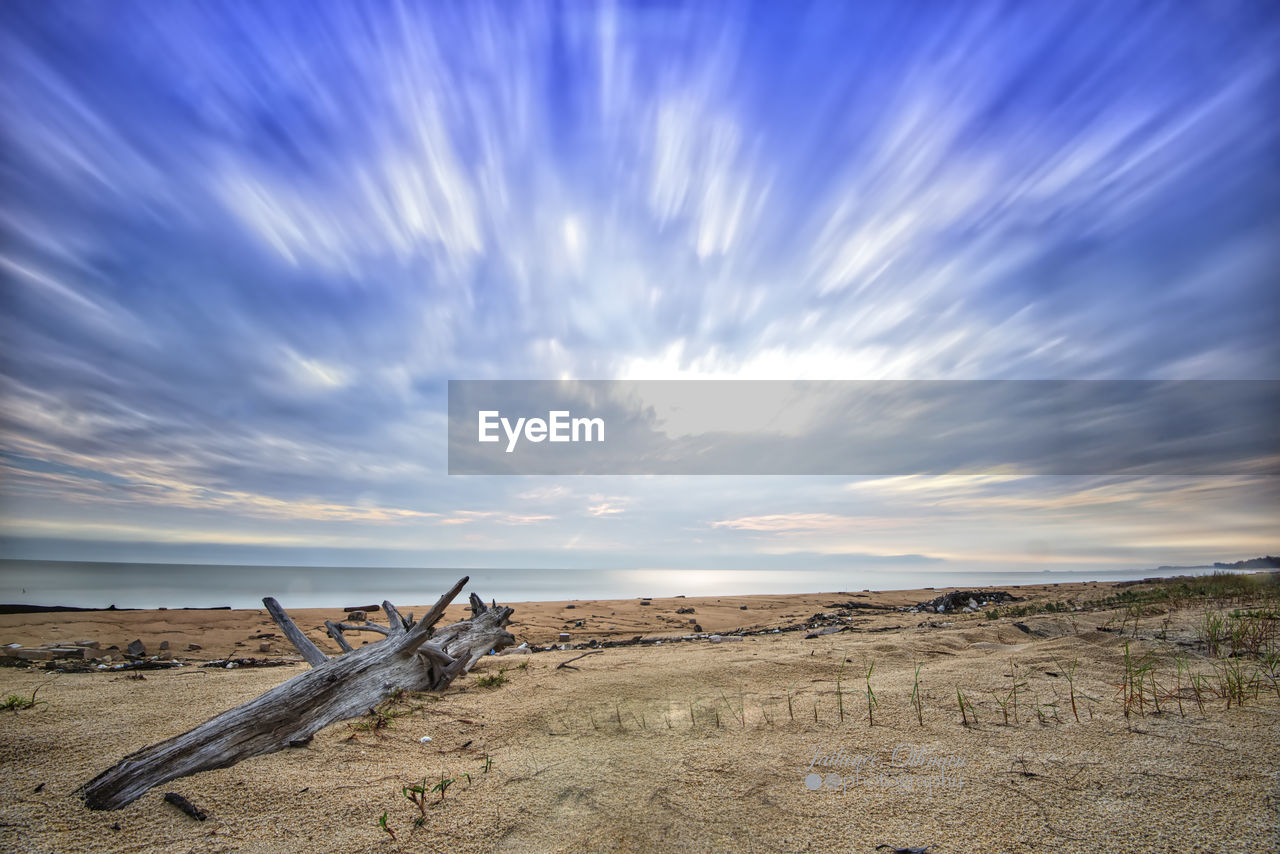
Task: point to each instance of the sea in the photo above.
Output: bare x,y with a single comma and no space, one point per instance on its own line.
96,584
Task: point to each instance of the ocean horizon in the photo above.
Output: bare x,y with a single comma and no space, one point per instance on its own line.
101,584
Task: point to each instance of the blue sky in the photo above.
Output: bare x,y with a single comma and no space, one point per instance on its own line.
244,246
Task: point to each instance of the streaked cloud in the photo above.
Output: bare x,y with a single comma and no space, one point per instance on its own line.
245,245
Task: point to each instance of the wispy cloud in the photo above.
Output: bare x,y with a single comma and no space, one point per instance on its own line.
246,244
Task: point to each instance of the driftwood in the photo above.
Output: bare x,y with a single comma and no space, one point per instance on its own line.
185,805
566,663
413,657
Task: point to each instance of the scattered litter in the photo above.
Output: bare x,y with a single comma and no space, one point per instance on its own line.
424,739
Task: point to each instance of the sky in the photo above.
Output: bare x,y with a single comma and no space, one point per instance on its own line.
244,246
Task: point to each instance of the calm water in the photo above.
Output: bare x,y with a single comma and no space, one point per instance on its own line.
150,585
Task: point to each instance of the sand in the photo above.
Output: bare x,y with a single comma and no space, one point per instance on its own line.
686,746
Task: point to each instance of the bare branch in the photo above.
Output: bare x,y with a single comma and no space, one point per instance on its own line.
422,629
566,663
364,627
301,642
393,617
335,632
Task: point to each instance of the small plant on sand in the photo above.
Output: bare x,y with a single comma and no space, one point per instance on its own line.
966,708
872,702
1129,687
418,795
1070,673
1235,683
839,691
16,703
1138,679
386,828
1212,631
1271,664
488,763
1131,614
1010,698
917,700
493,680
1199,686
740,715
373,722
791,713
443,785
1181,661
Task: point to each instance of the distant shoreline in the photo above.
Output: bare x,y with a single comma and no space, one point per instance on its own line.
1165,574
49,609
45,586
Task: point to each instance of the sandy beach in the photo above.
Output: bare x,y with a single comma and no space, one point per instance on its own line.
758,743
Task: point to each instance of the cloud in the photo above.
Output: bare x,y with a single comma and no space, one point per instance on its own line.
244,247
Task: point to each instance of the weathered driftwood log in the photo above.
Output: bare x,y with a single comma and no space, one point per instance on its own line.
413,657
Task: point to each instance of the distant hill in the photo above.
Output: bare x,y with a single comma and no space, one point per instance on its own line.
1267,562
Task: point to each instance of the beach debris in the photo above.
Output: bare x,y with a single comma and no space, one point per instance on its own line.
362,608
193,647
185,805
264,646
87,644
414,656
523,649
826,630
724,638
424,739
873,606
564,637
25,654
959,600
134,665
923,849
136,649
232,663
685,611
357,616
